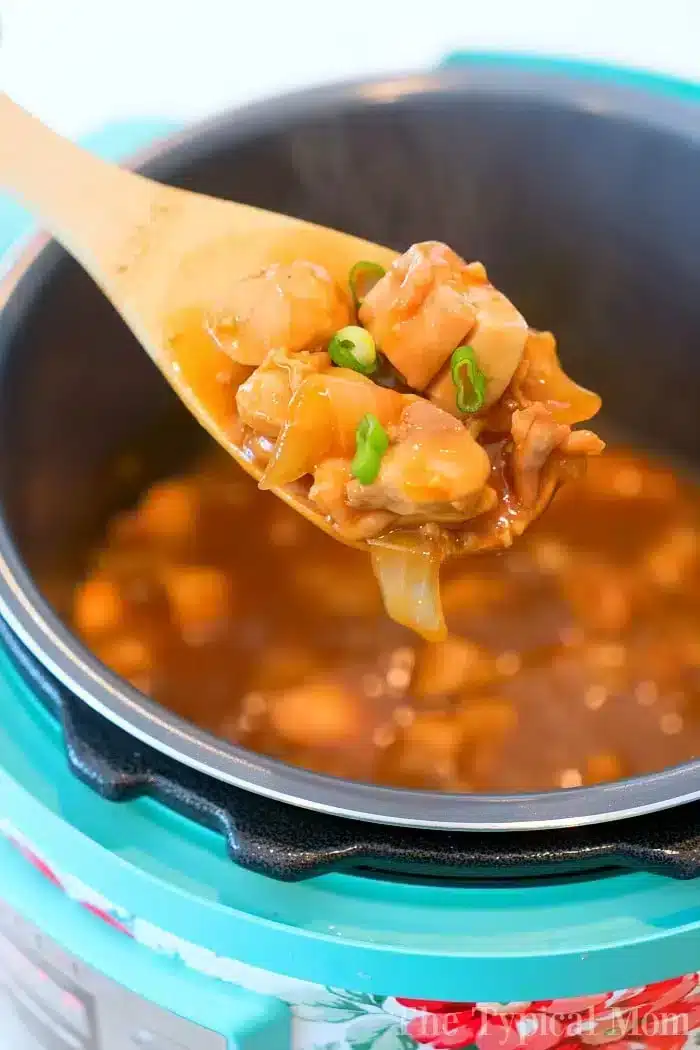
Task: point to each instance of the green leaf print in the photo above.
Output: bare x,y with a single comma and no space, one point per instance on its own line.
365,999
337,1006
370,1027
376,1032
406,1042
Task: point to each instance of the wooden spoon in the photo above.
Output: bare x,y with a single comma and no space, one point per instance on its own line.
156,251
159,254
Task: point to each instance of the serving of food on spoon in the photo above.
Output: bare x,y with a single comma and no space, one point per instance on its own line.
399,401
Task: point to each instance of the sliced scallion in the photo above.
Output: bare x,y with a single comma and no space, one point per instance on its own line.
371,442
469,380
353,347
362,279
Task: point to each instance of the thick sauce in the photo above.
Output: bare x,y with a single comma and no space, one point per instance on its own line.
572,659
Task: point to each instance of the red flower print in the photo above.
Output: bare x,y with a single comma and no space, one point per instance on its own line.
520,1007
653,1042
577,1004
534,1031
665,1042
445,1030
663,994
603,1028
654,1017
684,1016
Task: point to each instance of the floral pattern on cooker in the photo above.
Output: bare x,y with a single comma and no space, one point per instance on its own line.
664,1015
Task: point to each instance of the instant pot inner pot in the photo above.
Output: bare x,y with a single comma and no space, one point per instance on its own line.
589,223
588,220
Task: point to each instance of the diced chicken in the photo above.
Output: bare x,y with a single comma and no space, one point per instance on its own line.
263,399
421,417
429,303
322,421
497,339
540,377
419,311
440,481
328,492
435,471
536,434
292,307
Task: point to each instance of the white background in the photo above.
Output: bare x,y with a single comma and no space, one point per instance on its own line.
78,63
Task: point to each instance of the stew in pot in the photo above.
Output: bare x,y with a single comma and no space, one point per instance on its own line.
571,659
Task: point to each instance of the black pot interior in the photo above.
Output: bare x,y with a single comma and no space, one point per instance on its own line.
587,219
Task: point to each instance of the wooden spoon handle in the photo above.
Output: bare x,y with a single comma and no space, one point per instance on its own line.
91,206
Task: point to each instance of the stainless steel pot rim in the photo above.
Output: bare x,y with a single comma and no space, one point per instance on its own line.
37,626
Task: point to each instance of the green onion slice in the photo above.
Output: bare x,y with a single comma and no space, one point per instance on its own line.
353,347
372,441
362,279
469,380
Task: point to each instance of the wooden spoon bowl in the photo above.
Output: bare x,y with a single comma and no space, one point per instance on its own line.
166,258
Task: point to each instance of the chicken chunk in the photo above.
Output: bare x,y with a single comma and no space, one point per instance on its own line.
263,399
429,303
435,471
328,492
292,307
497,339
422,417
419,311
536,434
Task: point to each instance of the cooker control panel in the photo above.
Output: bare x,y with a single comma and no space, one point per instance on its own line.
49,1000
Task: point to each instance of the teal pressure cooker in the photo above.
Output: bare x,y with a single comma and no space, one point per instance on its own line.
163,889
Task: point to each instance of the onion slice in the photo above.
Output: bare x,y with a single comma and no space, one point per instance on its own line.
409,579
